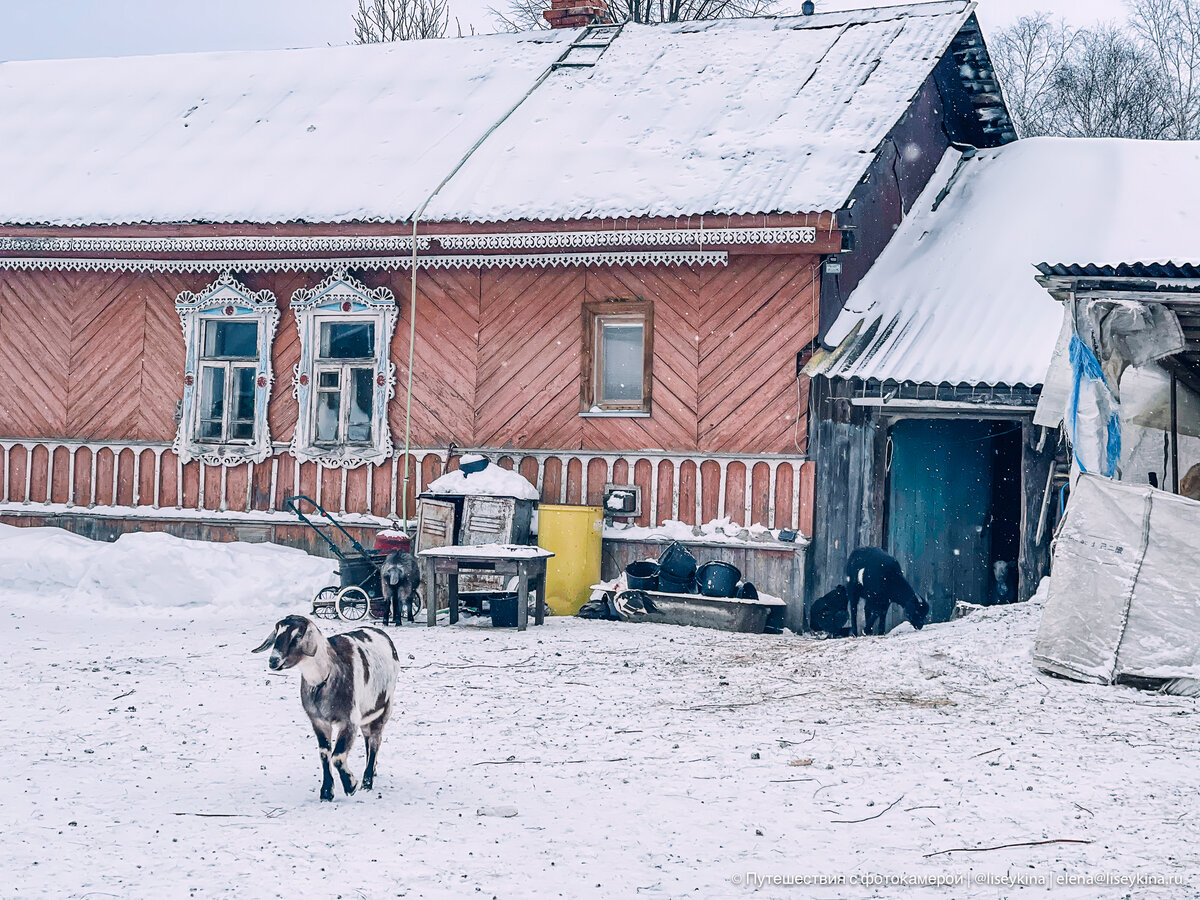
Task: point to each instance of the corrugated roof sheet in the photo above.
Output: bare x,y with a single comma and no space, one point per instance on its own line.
1129,269
734,116
953,298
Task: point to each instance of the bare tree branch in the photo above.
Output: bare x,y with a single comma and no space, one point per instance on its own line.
383,21
522,15
1029,57
1099,82
1171,31
1111,86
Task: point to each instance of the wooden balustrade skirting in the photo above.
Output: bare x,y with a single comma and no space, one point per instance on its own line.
146,479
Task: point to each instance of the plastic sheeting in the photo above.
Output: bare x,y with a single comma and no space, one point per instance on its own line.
1124,593
1093,425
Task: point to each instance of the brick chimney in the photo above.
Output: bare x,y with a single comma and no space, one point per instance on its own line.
576,13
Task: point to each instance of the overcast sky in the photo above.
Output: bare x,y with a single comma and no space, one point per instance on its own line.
40,29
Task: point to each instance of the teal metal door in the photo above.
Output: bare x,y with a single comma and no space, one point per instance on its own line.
939,498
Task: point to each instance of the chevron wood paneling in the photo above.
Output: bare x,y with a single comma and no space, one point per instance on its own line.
674,291
99,356
759,312
36,323
527,387
446,357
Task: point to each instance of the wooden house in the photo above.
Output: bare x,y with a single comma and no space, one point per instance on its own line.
600,255
924,425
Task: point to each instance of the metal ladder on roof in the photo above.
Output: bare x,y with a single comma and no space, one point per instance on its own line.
585,51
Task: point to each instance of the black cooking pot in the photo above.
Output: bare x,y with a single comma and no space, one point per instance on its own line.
677,564
642,575
718,579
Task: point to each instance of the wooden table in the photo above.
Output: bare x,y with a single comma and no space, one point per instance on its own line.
527,563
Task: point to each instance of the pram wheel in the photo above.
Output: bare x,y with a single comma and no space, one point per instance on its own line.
352,603
324,605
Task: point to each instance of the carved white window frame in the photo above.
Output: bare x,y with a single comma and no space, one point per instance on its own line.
226,299
343,298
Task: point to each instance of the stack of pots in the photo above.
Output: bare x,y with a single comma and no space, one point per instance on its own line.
676,572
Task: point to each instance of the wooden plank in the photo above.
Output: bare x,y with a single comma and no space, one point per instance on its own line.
60,479
574,481
760,475
735,492
785,485
125,466
687,493
597,477
643,476
39,480
105,462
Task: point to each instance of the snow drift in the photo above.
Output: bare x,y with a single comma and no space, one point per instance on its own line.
155,570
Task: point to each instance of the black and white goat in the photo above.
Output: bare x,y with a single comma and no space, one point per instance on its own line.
400,578
874,581
346,686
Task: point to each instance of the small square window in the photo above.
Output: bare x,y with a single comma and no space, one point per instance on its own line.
617,353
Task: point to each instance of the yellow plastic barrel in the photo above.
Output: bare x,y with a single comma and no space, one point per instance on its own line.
573,534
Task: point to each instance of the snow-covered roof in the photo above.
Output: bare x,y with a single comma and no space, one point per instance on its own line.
735,116
953,298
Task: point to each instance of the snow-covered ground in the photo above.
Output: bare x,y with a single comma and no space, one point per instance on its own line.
148,754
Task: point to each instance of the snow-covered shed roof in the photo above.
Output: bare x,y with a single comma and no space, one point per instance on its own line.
735,116
953,298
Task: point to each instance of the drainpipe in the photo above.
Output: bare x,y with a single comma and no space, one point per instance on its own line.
412,310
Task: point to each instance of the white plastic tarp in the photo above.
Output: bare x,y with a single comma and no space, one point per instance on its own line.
1124,594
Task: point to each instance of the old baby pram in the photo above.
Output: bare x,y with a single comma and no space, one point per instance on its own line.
359,593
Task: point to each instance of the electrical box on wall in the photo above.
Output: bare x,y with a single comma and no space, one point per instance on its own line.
622,501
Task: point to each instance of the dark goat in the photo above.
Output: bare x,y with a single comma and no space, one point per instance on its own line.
346,686
830,612
874,581
400,578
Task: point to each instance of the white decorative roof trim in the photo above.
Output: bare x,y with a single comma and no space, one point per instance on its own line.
494,260
343,297
806,234
237,303
236,244
539,240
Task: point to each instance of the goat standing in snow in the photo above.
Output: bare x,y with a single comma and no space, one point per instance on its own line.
829,613
874,581
400,578
346,686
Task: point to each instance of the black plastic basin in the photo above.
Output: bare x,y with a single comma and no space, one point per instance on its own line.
642,575
718,579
